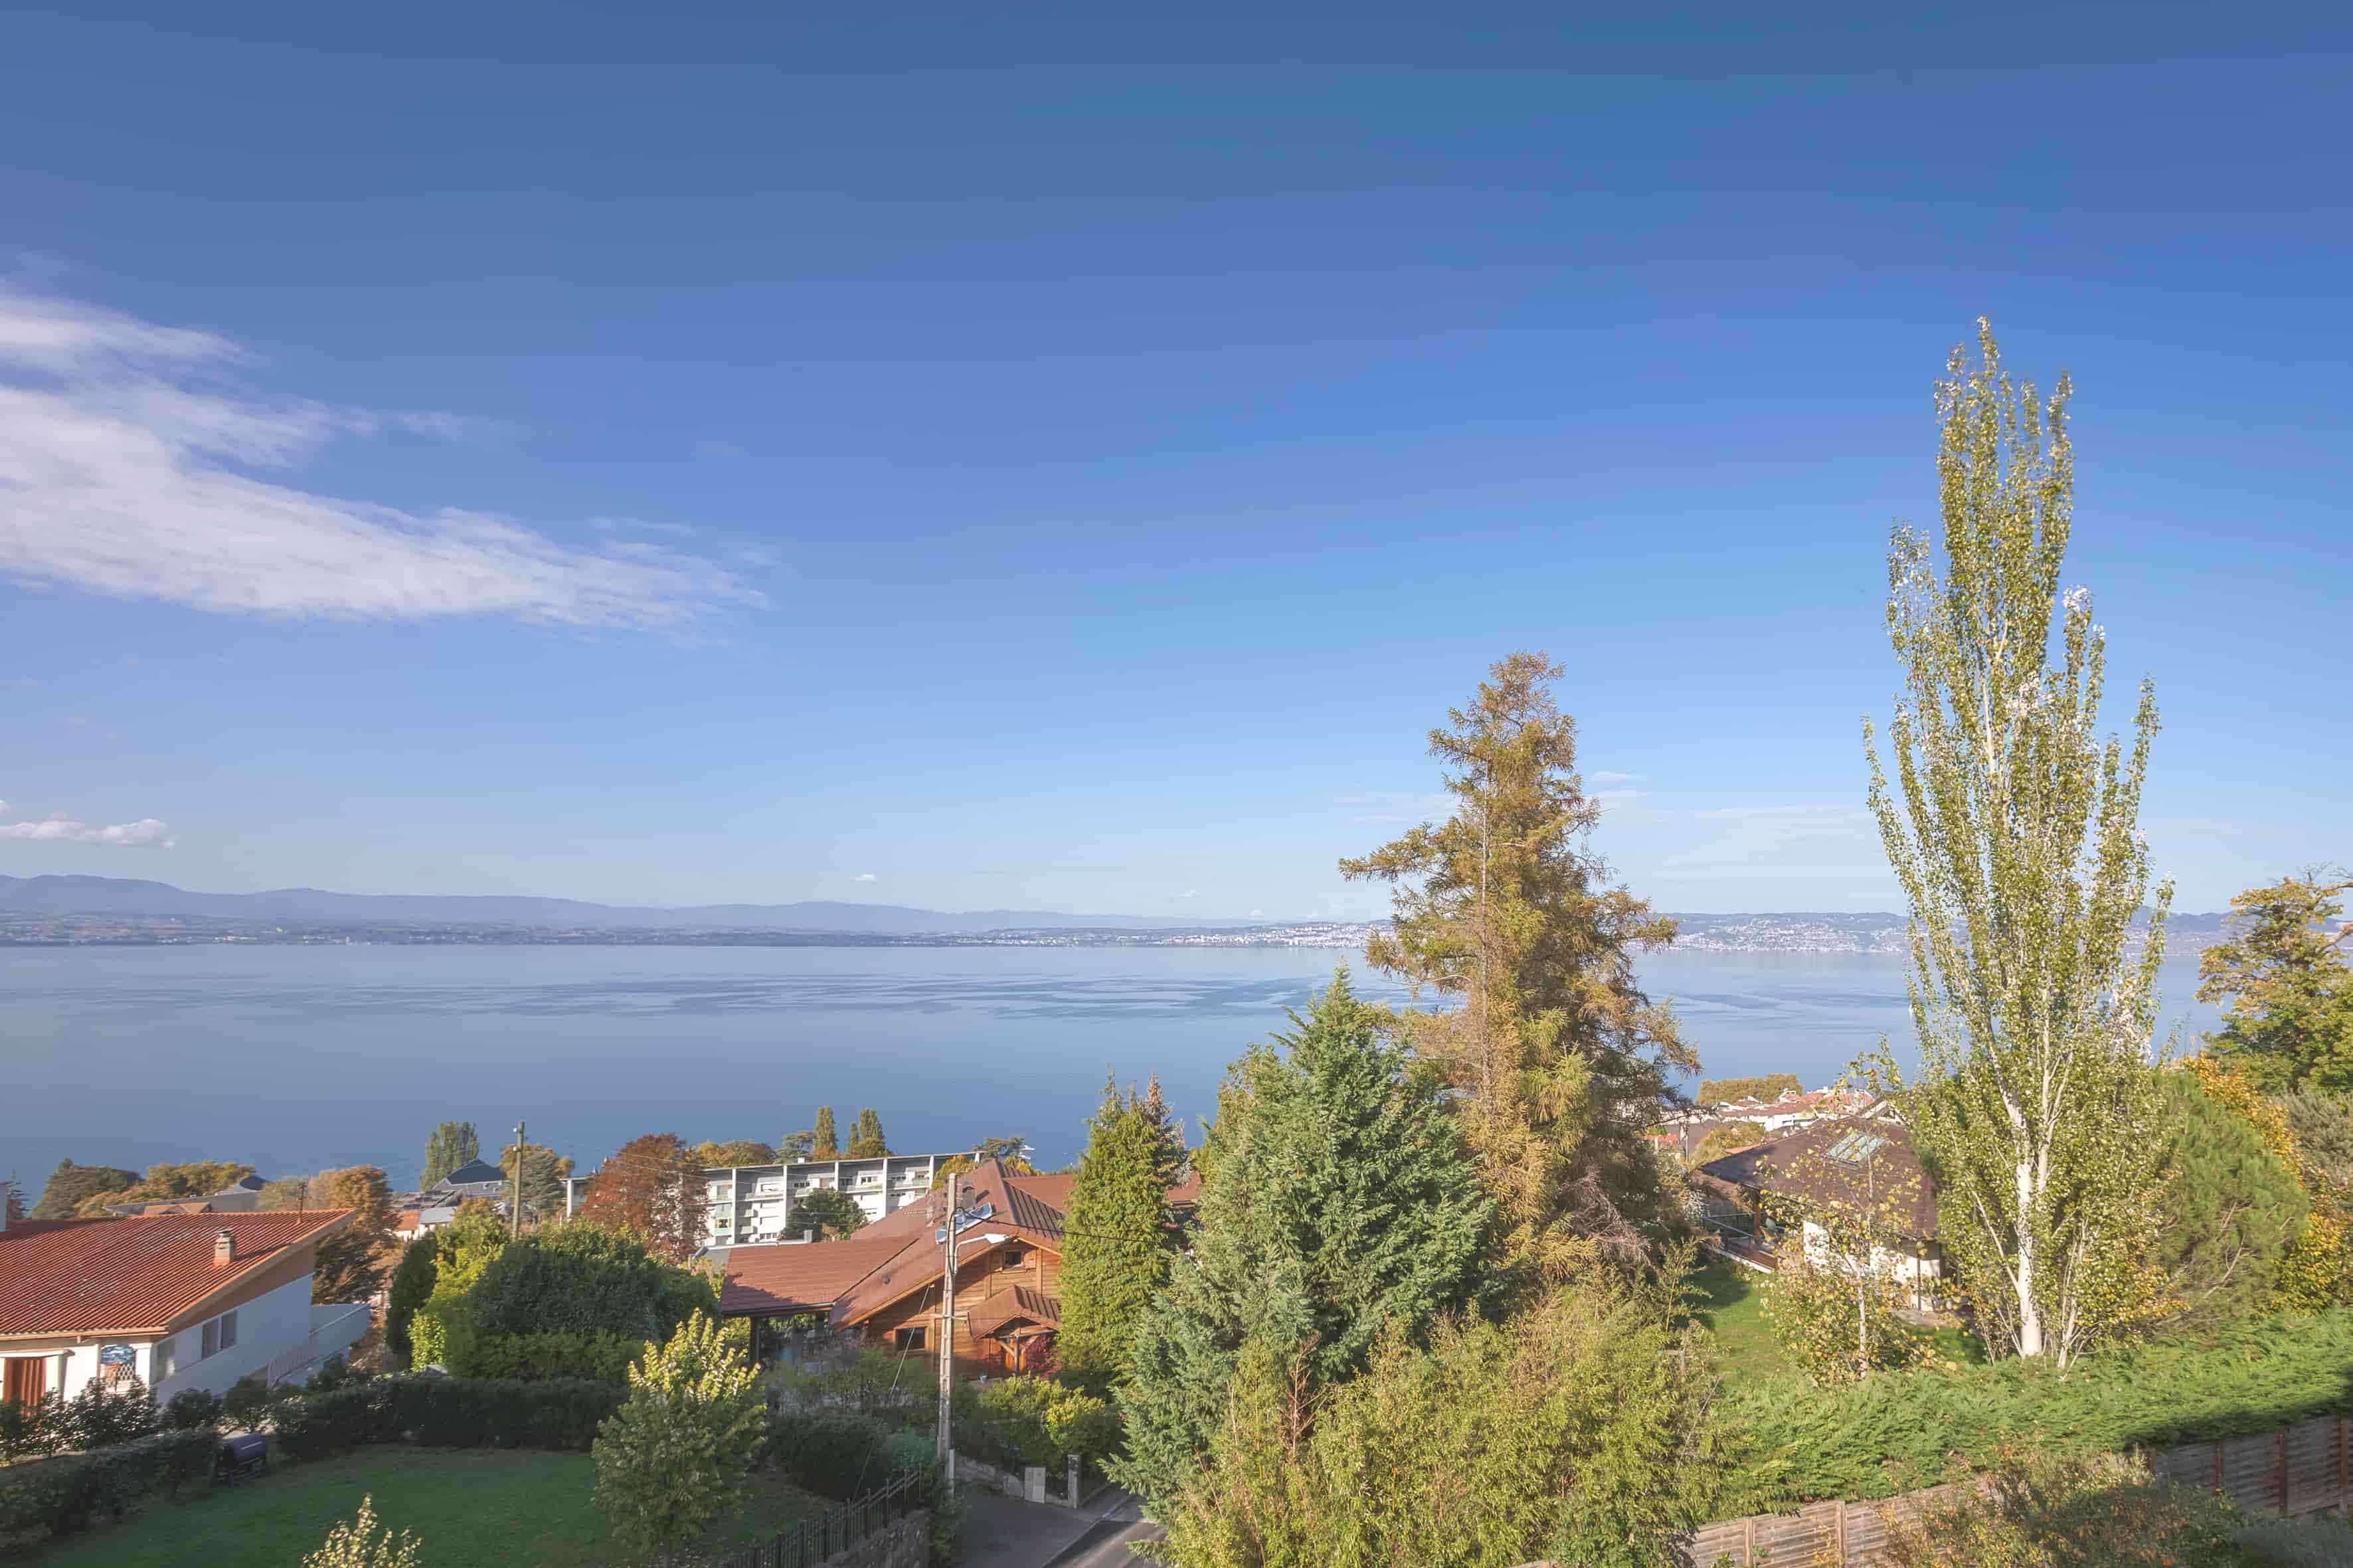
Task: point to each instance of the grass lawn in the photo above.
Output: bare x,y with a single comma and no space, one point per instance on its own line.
470,1507
1730,1305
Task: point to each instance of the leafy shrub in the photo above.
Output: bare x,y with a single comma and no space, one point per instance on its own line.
27,1431
410,1287
356,1544
100,1417
671,1460
331,1375
1840,1327
192,1408
2296,1542
584,1279
481,1412
1036,1420
65,1495
834,1453
2102,1511
556,1352
866,1379
1896,1432
252,1403
335,1421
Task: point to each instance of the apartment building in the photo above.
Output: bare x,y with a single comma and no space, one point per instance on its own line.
743,1205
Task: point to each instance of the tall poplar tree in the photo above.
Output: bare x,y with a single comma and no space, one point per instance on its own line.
1117,1244
2017,843
866,1140
1504,910
452,1144
1339,1203
823,1143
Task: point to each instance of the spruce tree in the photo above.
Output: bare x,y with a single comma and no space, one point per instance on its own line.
823,1145
2232,1208
1116,1246
1340,1200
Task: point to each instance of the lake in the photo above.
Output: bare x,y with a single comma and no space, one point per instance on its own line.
295,1058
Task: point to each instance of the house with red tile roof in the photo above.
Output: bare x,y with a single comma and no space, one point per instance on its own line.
885,1284
176,1300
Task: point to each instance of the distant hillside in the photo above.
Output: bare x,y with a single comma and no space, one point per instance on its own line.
121,896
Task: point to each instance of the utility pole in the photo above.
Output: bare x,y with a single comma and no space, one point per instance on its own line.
514,1217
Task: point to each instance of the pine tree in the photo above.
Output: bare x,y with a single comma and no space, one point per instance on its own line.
866,1141
2290,1024
2232,1209
1117,1244
1560,1056
452,1144
1340,1200
822,1143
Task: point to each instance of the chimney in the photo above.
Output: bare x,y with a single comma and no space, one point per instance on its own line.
224,1248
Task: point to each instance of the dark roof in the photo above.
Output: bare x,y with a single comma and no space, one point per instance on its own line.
113,1276
473,1172
1838,1161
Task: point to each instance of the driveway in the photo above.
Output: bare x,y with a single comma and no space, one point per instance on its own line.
1000,1533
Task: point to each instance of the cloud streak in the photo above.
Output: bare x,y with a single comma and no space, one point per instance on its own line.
146,833
127,459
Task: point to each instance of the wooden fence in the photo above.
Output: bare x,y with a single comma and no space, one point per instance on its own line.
2304,1468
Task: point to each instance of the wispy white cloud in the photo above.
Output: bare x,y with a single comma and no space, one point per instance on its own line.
126,451
865,877
1604,778
145,833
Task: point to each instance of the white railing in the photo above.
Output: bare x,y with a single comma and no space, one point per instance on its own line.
334,1328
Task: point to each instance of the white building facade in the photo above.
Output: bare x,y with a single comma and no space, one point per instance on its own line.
747,1204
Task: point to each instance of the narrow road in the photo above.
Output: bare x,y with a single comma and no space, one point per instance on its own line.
999,1532
1108,1543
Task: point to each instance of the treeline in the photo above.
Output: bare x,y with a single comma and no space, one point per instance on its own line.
1764,1086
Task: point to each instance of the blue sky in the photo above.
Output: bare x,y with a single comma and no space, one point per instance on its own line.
1048,459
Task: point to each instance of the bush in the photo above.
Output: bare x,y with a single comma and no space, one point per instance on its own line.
582,1278
869,1380
1035,1421
1840,1327
672,1460
331,1375
2104,1512
356,1544
101,1417
504,1413
192,1408
29,1431
834,1453
557,1353
1898,1432
63,1496
335,1421
251,1401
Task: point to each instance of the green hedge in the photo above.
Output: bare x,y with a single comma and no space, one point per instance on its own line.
449,1413
65,1495
557,1353
837,1453
1789,1442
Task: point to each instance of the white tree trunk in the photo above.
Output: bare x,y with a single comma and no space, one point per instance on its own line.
2030,1318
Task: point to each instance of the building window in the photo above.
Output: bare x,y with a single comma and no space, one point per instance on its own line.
228,1329
910,1339
159,1363
211,1341
1015,1256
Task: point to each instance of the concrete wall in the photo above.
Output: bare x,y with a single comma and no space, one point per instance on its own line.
268,1327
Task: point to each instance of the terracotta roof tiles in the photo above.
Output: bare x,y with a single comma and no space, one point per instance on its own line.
112,1276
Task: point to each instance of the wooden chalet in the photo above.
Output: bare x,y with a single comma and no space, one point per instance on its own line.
884,1283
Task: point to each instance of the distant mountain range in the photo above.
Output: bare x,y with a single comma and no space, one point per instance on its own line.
123,896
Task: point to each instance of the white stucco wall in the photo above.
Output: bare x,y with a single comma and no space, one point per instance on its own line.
268,1327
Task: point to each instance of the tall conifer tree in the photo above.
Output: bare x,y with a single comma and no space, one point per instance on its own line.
1116,1246
452,1144
823,1143
866,1140
1503,907
1339,1201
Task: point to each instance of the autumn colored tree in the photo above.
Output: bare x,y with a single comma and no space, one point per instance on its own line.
1725,1137
72,1186
823,1143
1764,1086
353,1263
2289,1025
164,1182
1011,1154
2013,830
795,1146
1559,1056
735,1152
866,1140
649,1188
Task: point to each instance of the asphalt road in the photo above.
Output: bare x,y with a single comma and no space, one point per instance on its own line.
1107,1542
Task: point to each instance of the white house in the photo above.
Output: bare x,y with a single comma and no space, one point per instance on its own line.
177,1300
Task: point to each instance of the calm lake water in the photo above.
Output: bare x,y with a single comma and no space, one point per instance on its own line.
292,1059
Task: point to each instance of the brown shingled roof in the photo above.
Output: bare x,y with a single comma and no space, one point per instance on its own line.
147,1271
801,1277
1022,1303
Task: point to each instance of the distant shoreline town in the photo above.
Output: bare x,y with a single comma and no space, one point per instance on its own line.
1824,935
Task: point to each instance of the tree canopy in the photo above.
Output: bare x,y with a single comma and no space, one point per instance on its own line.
1011,1154
1118,1242
544,1171
2232,1208
823,1142
451,1145
2289,1023
2014,832
1339,1201
1764,1086
866,1140
352,1263
735,1152
166,1182
72,1186
834,1214
1559,1054
651,1187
